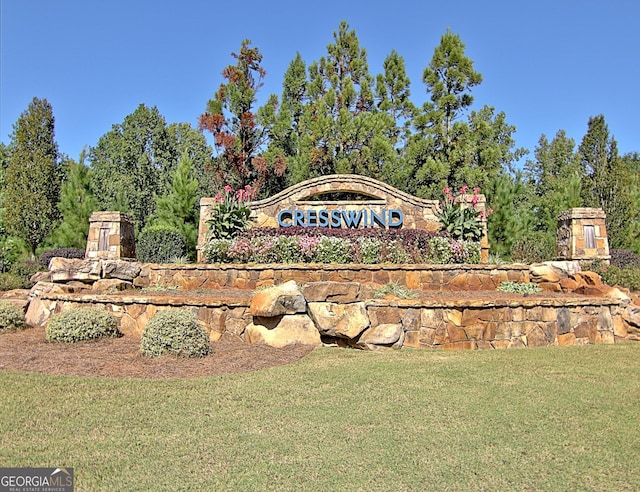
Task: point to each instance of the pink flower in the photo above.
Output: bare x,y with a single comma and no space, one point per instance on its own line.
447,191
476,190
228,189
474,200
464,189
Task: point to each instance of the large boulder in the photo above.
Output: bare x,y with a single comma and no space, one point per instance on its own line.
342,292
553,271
120,269
279,300
339,320
66,269
390,335
283,331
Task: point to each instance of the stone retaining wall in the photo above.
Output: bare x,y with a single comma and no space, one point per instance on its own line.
444,322
419,277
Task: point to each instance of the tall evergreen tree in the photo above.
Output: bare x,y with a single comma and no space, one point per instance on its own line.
603,182
512,218
32,179
231,117
449,79
77,203
341,130
179,207
555,176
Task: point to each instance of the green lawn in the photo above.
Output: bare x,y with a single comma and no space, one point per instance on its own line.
564,418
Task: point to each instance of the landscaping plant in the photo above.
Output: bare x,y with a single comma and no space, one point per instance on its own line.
79,324
174,331
11,317
463,222
230,213
160,244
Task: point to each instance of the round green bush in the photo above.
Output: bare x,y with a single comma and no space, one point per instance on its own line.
11,317
174,331
160,244
79,324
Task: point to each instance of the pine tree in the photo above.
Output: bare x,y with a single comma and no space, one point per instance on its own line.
556,179
604,179
32,179
179,207
77,203
232,119
449,79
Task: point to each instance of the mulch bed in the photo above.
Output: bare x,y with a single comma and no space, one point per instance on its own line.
28,350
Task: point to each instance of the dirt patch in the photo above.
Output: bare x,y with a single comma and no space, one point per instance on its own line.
28,350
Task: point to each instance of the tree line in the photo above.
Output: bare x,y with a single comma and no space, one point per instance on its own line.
332,116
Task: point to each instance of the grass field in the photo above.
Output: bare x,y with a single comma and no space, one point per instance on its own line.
564,418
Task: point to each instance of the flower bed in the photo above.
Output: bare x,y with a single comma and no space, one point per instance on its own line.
363,246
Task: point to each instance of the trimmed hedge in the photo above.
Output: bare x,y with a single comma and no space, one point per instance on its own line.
11,317
160,244
80,324
174,331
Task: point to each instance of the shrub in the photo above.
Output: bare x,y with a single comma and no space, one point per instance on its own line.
46,256
628,276
340,246
534,248
519,288
286,250
368,250
216,250
160,244
11,317
334,250
79,324
174,331
438,251
19,276
9,281
624,257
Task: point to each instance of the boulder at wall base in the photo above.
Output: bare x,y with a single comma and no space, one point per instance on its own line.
632,315
339,320
283,331
381,336
279,300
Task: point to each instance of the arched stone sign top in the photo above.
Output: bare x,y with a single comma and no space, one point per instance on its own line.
343,183
385,206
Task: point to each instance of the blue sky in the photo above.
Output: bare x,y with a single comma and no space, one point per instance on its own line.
548,65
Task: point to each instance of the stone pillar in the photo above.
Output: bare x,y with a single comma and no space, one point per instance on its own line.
582,235
111,235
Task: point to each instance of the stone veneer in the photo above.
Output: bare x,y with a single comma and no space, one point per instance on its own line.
582,235
111,235
419,277
339,301
443,322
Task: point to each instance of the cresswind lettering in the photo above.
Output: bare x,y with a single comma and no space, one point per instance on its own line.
337,218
